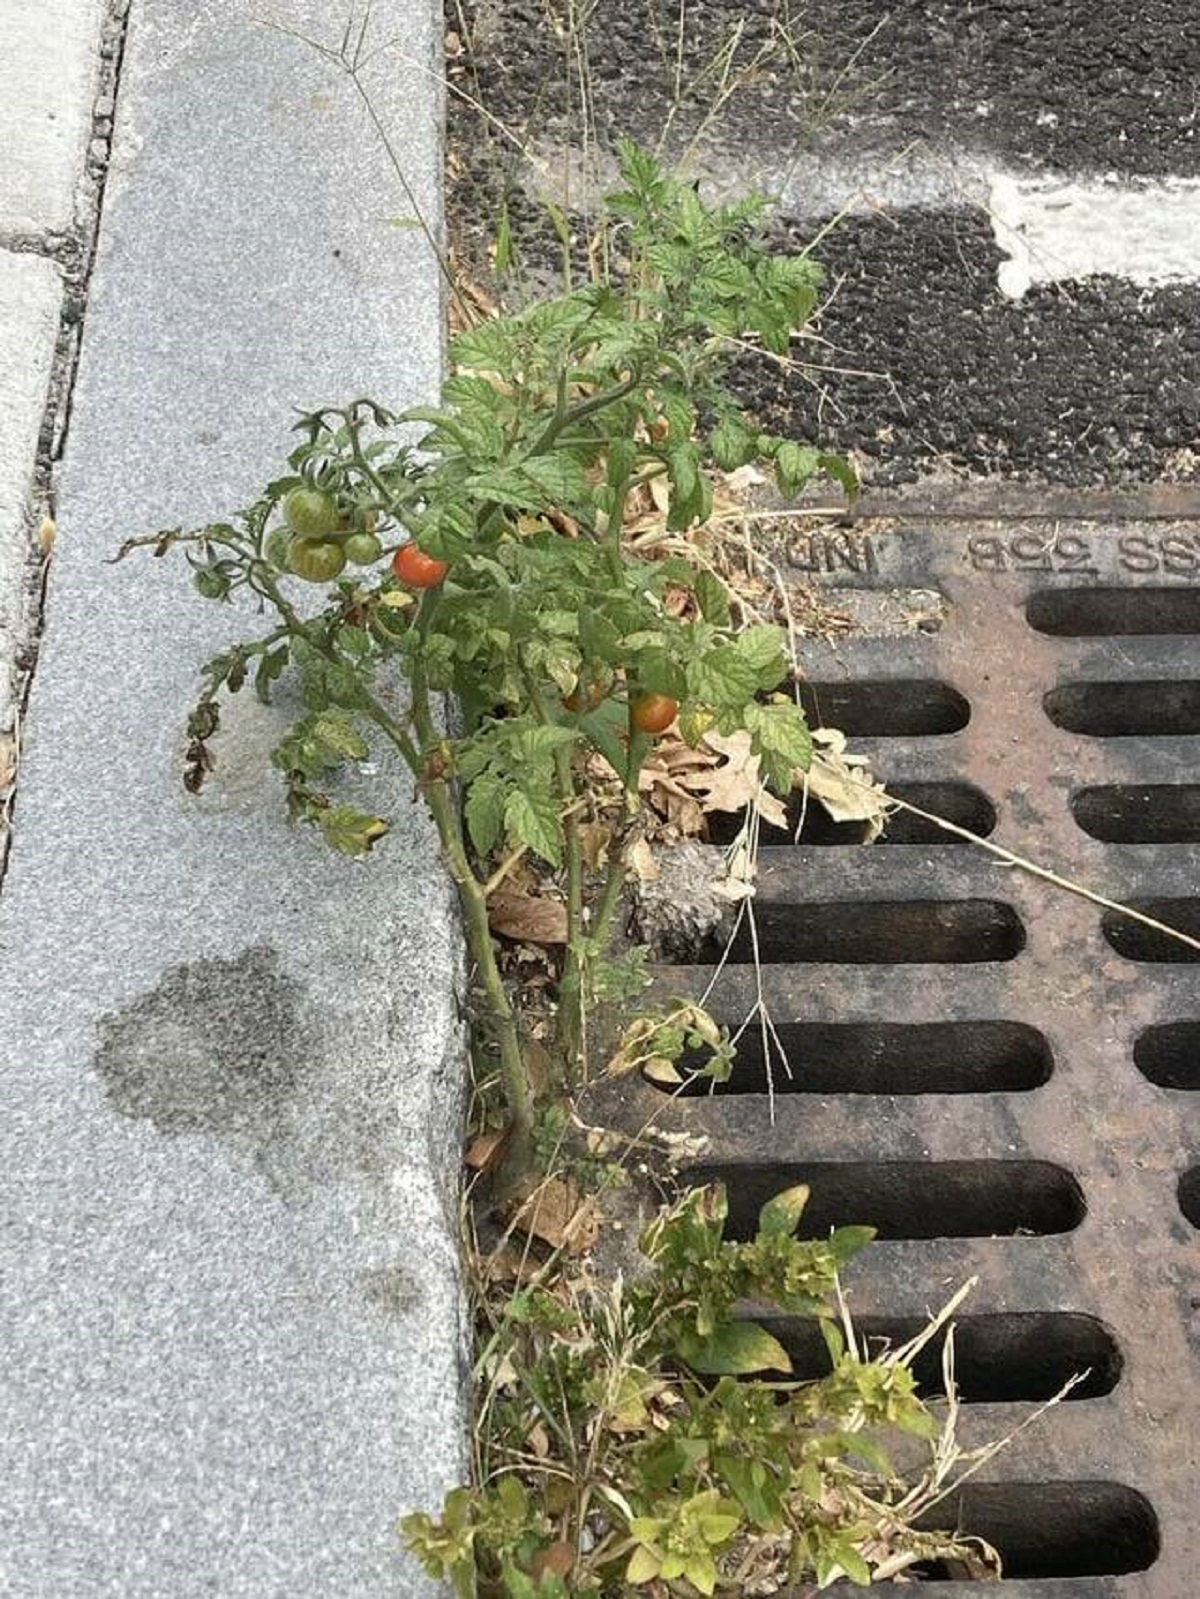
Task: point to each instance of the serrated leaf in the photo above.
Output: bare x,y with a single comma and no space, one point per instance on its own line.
484,812
794,465
351,831
622,460
842,471
780,737
722,678
762,647
532,818
559,476
712,597
341,736
504,485
731,443
487,347
269,669
683,467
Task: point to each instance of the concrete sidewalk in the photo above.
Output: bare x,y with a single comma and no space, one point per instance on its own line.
232,1347
54,55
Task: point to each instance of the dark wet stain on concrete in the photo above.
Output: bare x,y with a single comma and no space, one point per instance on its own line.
234,1048
391,1289
220,1046
217,1047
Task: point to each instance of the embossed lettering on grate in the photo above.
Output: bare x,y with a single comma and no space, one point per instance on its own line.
1003,1078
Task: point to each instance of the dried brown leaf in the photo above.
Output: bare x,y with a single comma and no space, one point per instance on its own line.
736,784
532,918
484,1152
594,840
843,783
641,862
557,1559
506,1265
555,1211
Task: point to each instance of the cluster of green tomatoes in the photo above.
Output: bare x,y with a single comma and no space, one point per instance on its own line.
318,540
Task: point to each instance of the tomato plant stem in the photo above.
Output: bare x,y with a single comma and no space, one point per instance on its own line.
500,1016
614,882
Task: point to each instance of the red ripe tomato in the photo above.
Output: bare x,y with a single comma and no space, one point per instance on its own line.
652,713
416,570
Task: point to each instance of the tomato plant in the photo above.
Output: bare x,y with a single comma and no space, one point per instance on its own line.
560,641
570,650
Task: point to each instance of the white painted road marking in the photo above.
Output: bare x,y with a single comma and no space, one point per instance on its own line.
1055,232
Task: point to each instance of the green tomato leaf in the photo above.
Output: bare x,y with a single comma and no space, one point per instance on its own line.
842,471
761,646
713,598
723,678
350,831
532,818
794,465
731,443
683,467
780,737
559,477
484,811
340,734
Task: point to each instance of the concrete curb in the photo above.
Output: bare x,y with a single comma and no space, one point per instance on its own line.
233,1344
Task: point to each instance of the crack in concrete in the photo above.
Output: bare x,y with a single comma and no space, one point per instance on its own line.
75,253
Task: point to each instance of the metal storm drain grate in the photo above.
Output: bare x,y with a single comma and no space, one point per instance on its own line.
1002,1077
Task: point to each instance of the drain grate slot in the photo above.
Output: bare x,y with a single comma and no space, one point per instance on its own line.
886,707
1157,708
974,1057
998,1359
1093,613
878,932
908,1198
1169,1055
1189,1195
1056,1529
1127,813
1140,943
961,803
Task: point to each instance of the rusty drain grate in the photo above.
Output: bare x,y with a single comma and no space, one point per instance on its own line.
1001,1077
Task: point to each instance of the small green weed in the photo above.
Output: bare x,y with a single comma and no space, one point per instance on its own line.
644,1436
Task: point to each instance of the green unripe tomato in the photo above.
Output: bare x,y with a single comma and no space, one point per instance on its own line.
310,514
211,584
279,542
363,549
316,560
